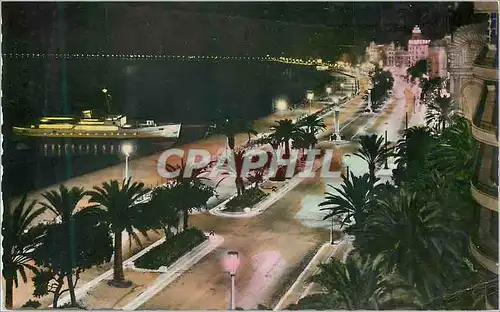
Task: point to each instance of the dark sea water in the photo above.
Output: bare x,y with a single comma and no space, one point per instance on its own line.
192,93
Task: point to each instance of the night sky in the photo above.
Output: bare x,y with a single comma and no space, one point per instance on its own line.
314,29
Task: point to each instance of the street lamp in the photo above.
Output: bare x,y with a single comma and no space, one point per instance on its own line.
281,105
127,150
369,99
331,231
386,165
310,97
337,122
328,90
233,262
106,98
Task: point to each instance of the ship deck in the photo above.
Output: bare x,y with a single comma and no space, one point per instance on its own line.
117,134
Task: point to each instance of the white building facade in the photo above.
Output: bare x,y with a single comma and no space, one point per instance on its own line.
372,53
418,47
390,54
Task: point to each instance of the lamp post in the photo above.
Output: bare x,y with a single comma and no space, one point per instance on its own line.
347,166
328,91
310,97
233,262
331,231
127,150
386,164
105,91
337,122
369,99
281,105
414,103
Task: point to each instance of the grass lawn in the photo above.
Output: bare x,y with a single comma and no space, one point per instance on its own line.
171,250
248,199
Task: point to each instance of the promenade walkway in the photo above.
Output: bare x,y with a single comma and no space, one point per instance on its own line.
144,170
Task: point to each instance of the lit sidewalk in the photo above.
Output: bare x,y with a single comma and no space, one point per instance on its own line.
418,119
302,287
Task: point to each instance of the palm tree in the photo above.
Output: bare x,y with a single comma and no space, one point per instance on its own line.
284,131
163,213
19,241
63,204
195,173
316,302
412,235
429,86
232,126
374,151
460,287
189,195
235,169
189,186
440,111
313,124
413,149
361,284
353,200
305,141
122,211
256,176
457,150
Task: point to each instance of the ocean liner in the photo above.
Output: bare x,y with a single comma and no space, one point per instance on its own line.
107,127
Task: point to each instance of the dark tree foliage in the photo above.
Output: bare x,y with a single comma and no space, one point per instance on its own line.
92,246
417,70
382,82
20,237
121,207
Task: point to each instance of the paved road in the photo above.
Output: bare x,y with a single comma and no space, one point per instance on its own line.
274,246
143,169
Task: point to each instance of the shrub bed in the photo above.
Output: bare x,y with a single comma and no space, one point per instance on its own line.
248,199
171,250
31,304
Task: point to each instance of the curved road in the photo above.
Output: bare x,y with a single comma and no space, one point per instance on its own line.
274,247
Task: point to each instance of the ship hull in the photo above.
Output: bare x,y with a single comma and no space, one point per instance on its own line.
171,131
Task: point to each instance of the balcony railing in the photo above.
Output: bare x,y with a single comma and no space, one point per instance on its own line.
478,121
488,126
485,249
485,60
487,188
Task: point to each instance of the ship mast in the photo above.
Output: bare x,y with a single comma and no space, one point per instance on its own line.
107,98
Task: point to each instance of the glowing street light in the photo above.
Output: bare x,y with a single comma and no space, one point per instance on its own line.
127,149
328,90
310,97
281,105
232,263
